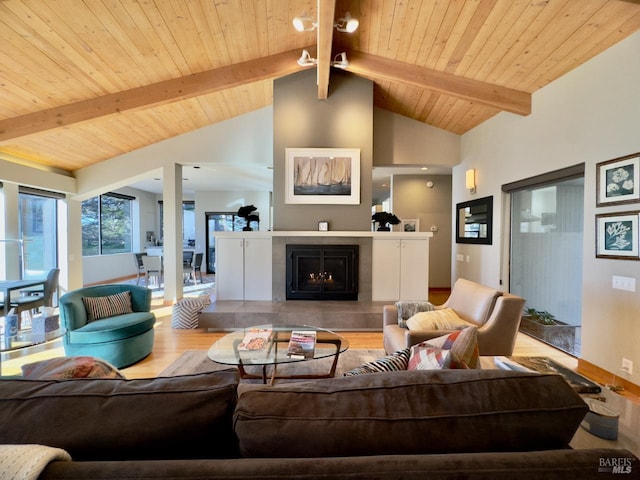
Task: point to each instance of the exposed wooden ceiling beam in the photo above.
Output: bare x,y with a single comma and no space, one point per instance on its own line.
374,67
202,83
326,14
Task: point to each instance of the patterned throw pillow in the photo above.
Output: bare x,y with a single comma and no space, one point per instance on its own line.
462,343
443,319
185,313
409,309
429,358
109,306
391,363
61,368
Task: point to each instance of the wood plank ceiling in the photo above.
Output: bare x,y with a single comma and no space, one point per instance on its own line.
84,81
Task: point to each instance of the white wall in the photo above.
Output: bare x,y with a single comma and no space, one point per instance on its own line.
590,115
399,140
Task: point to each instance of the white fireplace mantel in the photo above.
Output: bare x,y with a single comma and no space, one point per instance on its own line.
330,233
251,265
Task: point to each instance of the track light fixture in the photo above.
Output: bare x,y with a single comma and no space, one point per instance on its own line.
304,24
345,24
342,62
306,60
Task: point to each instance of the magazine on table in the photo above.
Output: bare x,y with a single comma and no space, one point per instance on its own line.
255,339
302,344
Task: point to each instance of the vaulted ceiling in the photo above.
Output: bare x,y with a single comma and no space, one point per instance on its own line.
85,81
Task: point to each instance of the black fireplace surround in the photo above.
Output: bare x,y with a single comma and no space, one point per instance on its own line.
322,272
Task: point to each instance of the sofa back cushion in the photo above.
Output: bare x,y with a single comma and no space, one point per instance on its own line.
408,412
112,419
472,301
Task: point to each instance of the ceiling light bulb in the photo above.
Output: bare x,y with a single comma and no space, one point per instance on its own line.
298,24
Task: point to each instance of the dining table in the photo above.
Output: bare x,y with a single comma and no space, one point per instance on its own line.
8,286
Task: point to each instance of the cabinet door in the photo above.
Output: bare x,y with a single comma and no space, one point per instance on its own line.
414,270
229,269
257,269
385,270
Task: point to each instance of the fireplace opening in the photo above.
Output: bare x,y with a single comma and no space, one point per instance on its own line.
322,272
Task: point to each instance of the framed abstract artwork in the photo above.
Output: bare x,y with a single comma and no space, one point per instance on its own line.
617,235
618,181
322,176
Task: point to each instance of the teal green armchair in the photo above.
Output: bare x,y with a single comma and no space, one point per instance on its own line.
121,340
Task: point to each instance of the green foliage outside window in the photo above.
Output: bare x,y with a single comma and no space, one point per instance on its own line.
106,225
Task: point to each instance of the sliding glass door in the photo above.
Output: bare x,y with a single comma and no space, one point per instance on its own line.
546,258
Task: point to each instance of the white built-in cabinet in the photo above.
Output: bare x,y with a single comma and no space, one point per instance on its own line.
400,269
243,267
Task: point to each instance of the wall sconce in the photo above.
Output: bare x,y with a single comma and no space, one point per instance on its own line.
345,24
342,63
306,60
470,180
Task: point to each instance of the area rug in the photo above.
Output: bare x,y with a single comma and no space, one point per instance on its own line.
196,361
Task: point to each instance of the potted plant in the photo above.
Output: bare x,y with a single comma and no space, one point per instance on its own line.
545,326
246,212
384,219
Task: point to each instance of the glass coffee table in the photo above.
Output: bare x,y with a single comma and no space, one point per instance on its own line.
25,339
268,345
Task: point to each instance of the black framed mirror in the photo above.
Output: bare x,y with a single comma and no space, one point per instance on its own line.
474,221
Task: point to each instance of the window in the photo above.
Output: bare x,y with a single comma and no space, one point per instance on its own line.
188,223
38,222
106,225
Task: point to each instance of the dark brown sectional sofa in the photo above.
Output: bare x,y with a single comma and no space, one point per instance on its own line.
469,424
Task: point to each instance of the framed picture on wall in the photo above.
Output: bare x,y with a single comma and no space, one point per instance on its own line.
617,235
410,225
322,176
618,181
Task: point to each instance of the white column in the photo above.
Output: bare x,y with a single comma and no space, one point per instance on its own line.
10,247
172,234
70,245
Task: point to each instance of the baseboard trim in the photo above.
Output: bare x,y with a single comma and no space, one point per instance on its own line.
600,375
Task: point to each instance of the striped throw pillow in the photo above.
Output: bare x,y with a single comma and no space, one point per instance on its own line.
109,306
391,363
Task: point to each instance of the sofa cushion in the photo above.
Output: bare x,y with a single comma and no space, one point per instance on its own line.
59,368
408,412
113,328
110,419
107,306
441,319
390,363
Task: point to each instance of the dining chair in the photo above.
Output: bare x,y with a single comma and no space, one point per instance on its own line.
139,265
152,268
197,267
187,267
34,298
